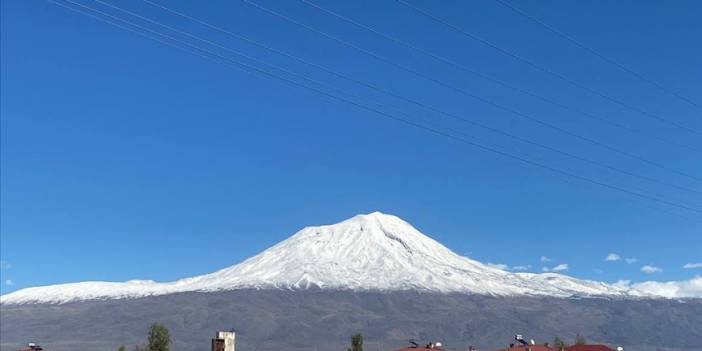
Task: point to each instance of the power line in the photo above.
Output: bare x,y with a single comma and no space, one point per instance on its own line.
457,89
472,122
547,70
494,79
212,43
344,76
591,50
253,69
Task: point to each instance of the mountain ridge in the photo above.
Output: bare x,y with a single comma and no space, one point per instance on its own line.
369,252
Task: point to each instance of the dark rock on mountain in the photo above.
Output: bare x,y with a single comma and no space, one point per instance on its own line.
324,320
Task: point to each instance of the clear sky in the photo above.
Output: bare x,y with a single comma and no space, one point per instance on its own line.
123,158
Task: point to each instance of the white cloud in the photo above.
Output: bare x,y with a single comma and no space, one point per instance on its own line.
557,268
630,260
650,269
9,282
671,289
501,266
692,265
545,259
560,267
521,268
506,267
613,257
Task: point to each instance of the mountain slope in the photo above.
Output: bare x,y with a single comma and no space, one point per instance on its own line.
365,253
310,320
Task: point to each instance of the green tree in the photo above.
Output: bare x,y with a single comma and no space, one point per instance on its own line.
580,340
159,340
559,344
122,348
356,343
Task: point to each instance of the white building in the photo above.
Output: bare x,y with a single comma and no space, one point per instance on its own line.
224,341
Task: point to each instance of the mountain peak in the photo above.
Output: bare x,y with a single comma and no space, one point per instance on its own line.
375,220
374,236
374,214
373,251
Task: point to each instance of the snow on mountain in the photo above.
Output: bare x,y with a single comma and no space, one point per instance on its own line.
367,252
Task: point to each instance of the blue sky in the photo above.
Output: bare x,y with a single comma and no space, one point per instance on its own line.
125,159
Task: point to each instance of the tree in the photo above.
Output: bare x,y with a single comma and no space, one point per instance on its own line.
122,348
356,343
559,344
159,340
580,340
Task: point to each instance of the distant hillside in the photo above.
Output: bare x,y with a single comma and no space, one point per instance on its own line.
316,320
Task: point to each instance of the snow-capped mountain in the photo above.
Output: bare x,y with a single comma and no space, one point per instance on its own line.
373,252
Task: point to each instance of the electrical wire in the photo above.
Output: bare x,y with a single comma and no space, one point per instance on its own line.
591,50
258,71
457,89
347,77
497,80
472,122
547,70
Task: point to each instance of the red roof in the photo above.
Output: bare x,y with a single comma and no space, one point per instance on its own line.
589,348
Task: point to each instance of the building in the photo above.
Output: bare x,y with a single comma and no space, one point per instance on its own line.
590,348
524,345
551,348
32,347
530,345
432,346
224,341
530,348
